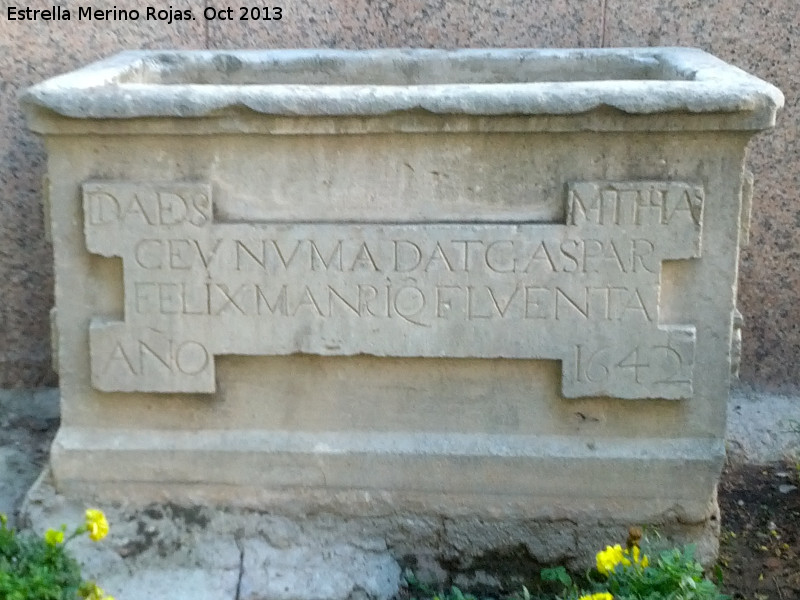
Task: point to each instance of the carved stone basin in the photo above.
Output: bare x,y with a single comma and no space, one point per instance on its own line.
486,286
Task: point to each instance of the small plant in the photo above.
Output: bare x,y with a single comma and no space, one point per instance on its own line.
558,574
33,568
620,573
629,574
675,575
559,579
419,590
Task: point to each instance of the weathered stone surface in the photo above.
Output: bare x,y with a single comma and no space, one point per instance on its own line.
28,420
323,572
186,583
14,465
481,290
166,539
482,301
233,553
376,82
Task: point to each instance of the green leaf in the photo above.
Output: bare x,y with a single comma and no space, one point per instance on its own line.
558,574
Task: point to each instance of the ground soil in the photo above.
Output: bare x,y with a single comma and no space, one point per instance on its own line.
760,542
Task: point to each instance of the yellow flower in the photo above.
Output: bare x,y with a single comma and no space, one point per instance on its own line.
89,590
96,524
611,557
54,537
600,596
638,558
3,519
608,559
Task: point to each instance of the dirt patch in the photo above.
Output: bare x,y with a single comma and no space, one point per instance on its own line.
760,542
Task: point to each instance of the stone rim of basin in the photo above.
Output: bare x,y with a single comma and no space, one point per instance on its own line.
188,84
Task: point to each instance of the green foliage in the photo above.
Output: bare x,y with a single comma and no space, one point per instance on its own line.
558,574
676,575
420,590
416,587
32,569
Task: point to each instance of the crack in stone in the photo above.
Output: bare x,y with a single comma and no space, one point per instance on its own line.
241,569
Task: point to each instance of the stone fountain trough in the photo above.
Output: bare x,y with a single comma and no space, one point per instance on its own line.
487,296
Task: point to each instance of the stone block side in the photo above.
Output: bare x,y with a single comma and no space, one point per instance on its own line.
336,427
760,39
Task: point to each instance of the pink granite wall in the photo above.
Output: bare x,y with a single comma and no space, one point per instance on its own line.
761,37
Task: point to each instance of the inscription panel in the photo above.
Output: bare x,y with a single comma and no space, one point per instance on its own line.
585,292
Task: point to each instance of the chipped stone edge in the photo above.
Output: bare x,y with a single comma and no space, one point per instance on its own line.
708,85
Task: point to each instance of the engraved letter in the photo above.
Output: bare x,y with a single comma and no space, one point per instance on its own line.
191,358
148,254
103,208
171,209
316,256
397,253
508,264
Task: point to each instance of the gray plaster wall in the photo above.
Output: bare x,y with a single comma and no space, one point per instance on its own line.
760,37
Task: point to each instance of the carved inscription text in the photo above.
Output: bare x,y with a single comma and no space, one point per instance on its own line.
585,292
